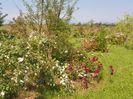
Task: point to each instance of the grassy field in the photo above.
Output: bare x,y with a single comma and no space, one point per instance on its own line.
118,86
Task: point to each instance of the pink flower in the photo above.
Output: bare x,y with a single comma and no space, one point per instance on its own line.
96,73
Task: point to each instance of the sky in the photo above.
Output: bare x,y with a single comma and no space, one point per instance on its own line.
106,11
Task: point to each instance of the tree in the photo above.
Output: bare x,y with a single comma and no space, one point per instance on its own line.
50,14
2,17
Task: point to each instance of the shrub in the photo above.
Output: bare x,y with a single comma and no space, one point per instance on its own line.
116,38
96,42
89,45
25,63
83,72
126,26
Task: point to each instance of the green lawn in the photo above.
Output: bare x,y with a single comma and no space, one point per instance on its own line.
118,86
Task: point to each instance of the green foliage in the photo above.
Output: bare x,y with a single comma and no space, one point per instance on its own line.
101,41
126,26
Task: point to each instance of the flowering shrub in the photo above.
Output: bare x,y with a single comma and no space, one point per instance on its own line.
125,25
25,64
117,38
79,71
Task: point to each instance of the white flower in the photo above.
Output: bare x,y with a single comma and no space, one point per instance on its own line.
14,79
21,81
27,67
53,84
66,51
62,82
6,56
55,47
53,67
26,55
2,94
35,74
12,46
25,71
77,51
20,59
81,54
55,42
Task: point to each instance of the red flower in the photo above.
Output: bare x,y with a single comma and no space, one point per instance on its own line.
111,70
70,68
94,59
96,73
85,82
100,65
87,70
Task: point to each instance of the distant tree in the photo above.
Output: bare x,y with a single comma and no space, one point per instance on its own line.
51,13
2,16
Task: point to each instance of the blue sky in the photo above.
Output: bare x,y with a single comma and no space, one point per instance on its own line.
98,10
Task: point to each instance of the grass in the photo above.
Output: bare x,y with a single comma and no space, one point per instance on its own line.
118,86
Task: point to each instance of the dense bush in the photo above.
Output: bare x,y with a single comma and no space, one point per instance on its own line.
25,63
116,38
96,41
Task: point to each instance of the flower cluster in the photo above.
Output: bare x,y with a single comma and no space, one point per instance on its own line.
83,72
116,38
2,94
86,71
